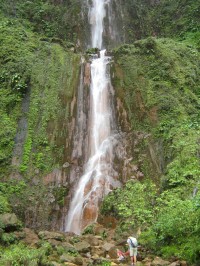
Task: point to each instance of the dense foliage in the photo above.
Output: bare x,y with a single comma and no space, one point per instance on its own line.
159,82
161,18
51,18
30,64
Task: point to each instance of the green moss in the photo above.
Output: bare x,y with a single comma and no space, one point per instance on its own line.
159,80
58,20
50,72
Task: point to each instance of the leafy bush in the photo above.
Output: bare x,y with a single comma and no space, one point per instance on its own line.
4,205
89,230
18,255
132,205
176,227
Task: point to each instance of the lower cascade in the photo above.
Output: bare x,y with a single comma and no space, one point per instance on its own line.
99,176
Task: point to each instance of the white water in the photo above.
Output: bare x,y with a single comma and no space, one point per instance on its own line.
99,177
97,14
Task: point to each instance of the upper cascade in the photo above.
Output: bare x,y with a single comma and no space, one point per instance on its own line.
97,14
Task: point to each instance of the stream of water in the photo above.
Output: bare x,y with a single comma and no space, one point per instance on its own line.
99,176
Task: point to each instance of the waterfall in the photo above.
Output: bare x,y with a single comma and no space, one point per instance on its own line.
99,176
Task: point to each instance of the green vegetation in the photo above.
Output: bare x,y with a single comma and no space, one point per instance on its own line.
158,80
50,72
58,19
164,18
17,255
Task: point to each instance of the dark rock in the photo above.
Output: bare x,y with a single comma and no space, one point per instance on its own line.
31,237
82,247
78,260
175,263
183,263
107,246
66,258
66,245
45,235
10,222
93,240
75,260
160,262
98,229
54,243
20,235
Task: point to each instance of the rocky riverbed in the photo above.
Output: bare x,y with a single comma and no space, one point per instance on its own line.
97,246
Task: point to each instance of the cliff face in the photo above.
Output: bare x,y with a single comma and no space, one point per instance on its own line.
158,81
39,79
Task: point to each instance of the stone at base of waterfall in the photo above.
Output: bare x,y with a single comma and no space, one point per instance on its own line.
159,262
54,263
67,245
31,237
183,263
98,229
93,240
45,235
54,243
10,222
19,235
146,261
97,251
113,264
175,263
108,246
82,247
70,259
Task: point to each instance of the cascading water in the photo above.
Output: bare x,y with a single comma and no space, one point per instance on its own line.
99,176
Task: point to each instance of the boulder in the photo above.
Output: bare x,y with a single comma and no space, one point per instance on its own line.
31,237
159,262
78,260
70,259
45,235
183,263
19,235
107,246
147,262
98,229
67,258
54,243
97,251
93,240
82,247
67,245
10,222
175,263
54,263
